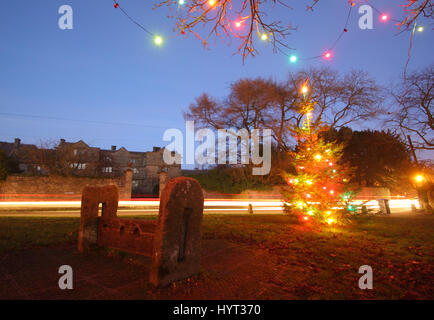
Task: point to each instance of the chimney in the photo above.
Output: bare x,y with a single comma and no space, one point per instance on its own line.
155,149
62,141
113,148
17,142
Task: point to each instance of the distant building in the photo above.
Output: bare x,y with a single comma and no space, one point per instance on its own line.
80,159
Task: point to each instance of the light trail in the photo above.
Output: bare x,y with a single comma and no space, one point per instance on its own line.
211,205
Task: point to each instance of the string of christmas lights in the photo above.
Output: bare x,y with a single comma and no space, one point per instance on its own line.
158,40
293,58
328,54
384,17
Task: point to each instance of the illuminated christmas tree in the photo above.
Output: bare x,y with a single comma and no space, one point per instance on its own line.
317,190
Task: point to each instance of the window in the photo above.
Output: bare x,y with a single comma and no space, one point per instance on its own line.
75,152
135,183
107,169
79,166
135,170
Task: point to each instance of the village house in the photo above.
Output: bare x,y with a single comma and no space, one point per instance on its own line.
80,159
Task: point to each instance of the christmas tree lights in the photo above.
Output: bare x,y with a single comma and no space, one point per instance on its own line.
317,191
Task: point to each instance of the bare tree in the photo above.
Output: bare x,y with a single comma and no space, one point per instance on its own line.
60,159
413,9
414,114
341,100
206,112
259,103
242,20
226,18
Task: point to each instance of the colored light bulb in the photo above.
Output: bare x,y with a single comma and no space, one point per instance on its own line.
327,55
158,40
419,178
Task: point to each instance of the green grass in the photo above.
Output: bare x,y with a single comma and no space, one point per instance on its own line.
27,232
399,249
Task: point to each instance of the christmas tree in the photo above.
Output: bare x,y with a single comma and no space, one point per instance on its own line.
317,189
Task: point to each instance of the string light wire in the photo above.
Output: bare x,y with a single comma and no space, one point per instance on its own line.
117,6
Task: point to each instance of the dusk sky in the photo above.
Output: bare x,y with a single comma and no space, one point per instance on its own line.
105,82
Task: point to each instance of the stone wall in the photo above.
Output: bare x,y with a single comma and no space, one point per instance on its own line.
36,188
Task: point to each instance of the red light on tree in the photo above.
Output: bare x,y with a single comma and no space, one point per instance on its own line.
116,5
238,24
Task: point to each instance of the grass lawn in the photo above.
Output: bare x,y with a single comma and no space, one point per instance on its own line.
308,262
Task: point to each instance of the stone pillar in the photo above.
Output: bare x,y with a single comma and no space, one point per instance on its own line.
91,197
384,206
177,239
128,185
163,182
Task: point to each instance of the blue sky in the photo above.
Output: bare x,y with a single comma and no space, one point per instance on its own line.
120,89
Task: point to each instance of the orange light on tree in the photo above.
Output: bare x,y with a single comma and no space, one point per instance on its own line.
330,220
419,178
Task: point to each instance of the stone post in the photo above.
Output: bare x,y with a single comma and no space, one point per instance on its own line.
177,239
128,185
91,197
163,182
